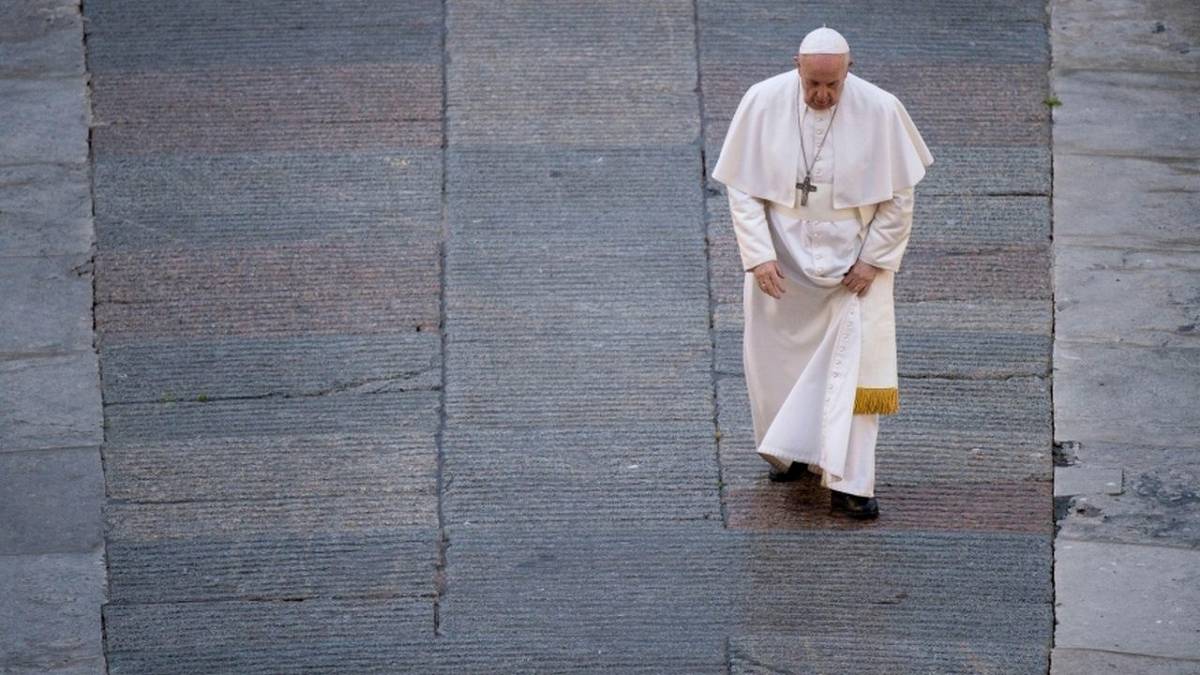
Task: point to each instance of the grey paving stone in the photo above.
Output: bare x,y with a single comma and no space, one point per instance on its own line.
181,201
333,94
785,652
33,193
345,412
317,465
266,291
547,88
1065,661
239,135
364,635
46,303
50,617
535,474
942,31
674,601
1149,297
300,366
50,501
1124,35
1151,585
1081,480
162,565
171,17
1152,205
33,235
1153,123
226,47
42,37
45,120
50,401
1100,388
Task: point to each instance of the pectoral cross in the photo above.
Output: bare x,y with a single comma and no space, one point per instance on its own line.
805,188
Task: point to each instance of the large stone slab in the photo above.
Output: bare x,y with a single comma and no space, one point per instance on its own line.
321,634
42,194
1099,388
390,464
669,594
1156,203
938,32
243,368
398,411
1153,123
173,202
1067,661
1127,297
45,120
50,402
50,501
50,617
46,304
333,94
546,88
40,37
561,473
796,651
1120,598
266,291
1130,35
168,18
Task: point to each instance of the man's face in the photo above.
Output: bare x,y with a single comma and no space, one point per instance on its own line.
822,76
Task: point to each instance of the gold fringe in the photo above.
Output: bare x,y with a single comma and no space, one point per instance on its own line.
882,401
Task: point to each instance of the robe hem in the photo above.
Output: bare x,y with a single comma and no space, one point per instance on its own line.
785,455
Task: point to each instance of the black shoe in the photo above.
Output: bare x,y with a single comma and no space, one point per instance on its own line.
854,506
795,471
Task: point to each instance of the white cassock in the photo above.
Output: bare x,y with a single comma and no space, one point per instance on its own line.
814,355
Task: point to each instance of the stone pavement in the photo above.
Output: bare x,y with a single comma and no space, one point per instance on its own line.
52,573
1126,355
419,335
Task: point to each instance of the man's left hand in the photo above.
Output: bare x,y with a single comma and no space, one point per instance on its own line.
860,276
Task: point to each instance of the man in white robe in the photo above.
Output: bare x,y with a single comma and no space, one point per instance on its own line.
819,166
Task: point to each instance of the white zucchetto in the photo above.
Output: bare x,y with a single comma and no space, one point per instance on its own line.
824,41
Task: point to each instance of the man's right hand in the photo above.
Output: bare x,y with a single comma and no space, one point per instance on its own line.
769,279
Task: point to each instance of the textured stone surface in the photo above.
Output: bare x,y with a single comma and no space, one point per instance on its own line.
46,120
50,401
297,471
48,301
40,37
49,619
1127,140
1127,599
50,501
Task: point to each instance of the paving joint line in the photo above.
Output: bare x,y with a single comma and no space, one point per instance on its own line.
708,275
439,576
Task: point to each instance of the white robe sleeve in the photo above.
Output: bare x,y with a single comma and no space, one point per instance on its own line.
751,228
887,236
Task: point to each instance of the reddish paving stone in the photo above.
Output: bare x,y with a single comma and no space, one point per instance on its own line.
283,95
991,506
238,137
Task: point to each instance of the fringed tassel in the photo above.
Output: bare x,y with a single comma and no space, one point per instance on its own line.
879,401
